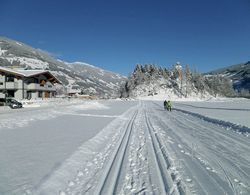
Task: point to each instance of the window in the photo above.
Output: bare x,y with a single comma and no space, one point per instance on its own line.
1,83
32,80
42,83
40,94
29,95
10,93
10,78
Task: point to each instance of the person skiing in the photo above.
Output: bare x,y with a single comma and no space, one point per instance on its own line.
165,104
169,105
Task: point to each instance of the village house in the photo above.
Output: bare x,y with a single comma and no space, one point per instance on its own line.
27,84
73,90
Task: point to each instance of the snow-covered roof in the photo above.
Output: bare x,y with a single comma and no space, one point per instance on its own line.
28,73
73,91
21,72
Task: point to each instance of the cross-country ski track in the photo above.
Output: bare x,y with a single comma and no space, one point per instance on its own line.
158,152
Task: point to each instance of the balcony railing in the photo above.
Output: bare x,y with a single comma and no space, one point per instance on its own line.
2,95
31,86
35,86
9,85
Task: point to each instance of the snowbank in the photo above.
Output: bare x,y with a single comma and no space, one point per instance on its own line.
84,104
174,97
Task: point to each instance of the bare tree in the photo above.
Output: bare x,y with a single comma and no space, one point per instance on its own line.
187,75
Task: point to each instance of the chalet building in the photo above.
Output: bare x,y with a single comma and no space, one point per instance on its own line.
73,90
27,84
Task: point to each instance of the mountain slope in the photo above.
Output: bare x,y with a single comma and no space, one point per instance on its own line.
81,76
239,73
106,80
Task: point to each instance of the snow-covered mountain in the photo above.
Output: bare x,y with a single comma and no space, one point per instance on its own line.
154,82
239,73
97,78
78,75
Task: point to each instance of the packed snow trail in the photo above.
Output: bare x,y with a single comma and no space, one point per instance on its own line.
35,141
112,173
133,162
148,150
211,159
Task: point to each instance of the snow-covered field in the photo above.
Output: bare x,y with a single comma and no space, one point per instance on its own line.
236,111
36,140
125,147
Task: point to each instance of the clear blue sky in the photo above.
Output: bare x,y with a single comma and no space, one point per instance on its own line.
115,35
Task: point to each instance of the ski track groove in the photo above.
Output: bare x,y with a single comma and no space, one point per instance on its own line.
239,170
135,179
227,177
163,163
237,128
187,148
164,186
113,173
222,155
224,134
142,153
181,121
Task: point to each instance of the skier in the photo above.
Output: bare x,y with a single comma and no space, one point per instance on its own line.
169,105
165,104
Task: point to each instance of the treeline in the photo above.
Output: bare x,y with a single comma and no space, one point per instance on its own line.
182,81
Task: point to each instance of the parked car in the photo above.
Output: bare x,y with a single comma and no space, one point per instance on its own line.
12,103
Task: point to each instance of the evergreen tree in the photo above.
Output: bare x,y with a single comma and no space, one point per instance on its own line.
150,75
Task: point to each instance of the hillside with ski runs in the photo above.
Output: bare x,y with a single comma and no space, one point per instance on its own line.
76,76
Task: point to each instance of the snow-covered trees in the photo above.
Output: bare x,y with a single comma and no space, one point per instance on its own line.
220,85
187,78
149,79
143,74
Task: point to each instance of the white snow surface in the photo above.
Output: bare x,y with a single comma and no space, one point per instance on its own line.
236,110
123,147
82,63
19,44
2,51
33,63
154,91
22,72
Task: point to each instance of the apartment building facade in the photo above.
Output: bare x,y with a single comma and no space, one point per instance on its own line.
27,84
